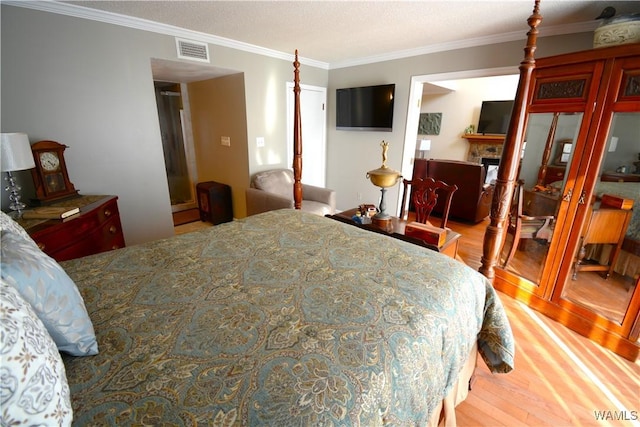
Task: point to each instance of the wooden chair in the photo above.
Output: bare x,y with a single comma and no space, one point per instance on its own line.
523,226
424,196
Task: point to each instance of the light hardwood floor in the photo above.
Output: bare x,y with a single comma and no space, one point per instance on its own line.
560,378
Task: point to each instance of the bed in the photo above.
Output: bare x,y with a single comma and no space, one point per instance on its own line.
283,318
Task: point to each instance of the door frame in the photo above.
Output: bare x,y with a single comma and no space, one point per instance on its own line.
322,151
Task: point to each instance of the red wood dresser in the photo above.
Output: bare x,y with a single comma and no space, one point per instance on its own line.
95,229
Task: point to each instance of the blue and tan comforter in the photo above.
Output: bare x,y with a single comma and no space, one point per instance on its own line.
284,319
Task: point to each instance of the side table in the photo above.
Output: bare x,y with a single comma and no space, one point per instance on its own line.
395,228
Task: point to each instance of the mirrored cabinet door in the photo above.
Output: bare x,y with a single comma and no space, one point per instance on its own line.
604,274
571,244
546,157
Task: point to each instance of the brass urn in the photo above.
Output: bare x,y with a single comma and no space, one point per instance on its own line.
383,177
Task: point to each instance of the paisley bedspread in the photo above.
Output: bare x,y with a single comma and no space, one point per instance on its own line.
281,319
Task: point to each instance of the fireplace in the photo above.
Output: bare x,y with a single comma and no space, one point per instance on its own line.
484,146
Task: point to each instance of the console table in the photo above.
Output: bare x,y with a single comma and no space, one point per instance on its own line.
395,228
95,229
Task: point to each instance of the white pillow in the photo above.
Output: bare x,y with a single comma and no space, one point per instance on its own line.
33,382
54,297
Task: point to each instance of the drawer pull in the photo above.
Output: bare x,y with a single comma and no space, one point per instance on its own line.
113,229
107,212
115,247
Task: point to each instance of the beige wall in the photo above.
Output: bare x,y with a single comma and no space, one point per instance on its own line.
218,109
89,85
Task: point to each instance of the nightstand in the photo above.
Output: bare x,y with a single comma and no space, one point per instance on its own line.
95,229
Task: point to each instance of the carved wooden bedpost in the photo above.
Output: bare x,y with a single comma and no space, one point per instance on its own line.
542,173
297,137
508,169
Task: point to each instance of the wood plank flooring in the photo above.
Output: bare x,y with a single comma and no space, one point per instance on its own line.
560,378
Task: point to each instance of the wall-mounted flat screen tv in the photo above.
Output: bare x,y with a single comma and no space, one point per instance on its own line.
495,117
365,108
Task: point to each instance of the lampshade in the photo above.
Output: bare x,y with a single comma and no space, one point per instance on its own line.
16,152
425,144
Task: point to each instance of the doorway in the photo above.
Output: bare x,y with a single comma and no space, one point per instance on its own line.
178,150
313,101
444,86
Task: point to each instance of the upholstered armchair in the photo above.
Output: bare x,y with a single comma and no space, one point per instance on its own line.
273,189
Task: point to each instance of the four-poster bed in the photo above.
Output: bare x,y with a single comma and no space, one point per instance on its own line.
275,319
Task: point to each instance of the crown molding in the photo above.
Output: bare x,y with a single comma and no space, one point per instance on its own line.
170,30
156,27
581,27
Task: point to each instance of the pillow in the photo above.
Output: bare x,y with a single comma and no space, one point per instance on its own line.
52,294
277,181
7,223
33,384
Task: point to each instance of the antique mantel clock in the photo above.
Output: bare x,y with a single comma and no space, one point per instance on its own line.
50,174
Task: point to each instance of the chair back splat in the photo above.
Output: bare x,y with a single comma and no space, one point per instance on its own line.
424,197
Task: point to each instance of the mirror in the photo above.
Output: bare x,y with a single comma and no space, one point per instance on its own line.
613,239
545,158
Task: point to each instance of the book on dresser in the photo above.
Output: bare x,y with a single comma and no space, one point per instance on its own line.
50,212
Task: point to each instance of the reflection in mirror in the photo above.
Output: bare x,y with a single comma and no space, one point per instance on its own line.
609,258
545,158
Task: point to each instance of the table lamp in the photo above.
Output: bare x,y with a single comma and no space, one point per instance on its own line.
425,145
16,156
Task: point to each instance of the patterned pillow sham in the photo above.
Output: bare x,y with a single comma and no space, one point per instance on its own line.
33,383
7,223
54,297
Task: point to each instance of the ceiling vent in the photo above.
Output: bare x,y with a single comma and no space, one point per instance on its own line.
195,51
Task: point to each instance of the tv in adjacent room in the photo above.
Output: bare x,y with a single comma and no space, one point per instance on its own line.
495,117
365,108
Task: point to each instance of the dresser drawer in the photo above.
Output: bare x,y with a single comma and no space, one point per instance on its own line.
96,229
105,238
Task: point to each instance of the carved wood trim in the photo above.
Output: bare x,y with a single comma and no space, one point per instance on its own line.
632,86
562,89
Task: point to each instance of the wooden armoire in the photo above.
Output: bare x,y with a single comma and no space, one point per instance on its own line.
579,113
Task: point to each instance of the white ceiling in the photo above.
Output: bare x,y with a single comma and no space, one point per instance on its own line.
342,33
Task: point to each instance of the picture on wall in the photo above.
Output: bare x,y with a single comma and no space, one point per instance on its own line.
429,124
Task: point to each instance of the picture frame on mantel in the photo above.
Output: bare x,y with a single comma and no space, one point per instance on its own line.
429,123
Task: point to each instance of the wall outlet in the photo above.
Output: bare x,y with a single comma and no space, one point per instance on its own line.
359,196
225,140
260,141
